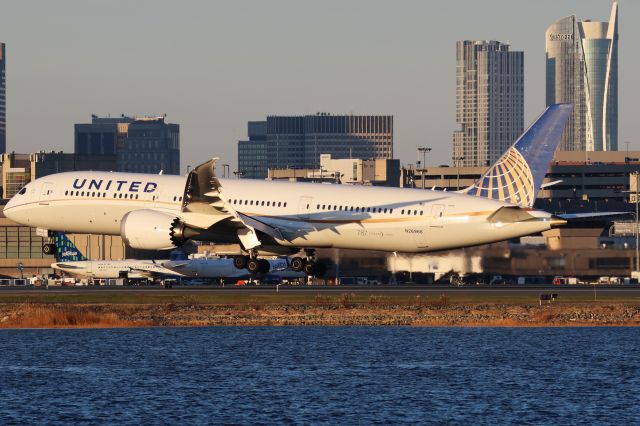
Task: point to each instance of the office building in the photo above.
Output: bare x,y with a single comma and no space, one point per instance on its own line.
582,69
252,153
3,100
134,144
489,101
298,141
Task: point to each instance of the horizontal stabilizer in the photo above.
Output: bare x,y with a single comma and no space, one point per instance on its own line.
510,215
569,216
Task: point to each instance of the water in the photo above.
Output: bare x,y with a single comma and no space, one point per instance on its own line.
327,375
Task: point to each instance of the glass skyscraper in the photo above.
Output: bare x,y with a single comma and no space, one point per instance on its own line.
582,69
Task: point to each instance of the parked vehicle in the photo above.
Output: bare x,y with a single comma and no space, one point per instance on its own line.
558,280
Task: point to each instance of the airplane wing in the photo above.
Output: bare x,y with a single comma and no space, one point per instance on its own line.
153,274
204,205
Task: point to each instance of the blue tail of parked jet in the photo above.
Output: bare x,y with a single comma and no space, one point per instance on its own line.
517,176
66,251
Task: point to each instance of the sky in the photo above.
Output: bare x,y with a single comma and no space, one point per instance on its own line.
211,66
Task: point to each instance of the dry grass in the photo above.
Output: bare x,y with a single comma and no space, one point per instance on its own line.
65,316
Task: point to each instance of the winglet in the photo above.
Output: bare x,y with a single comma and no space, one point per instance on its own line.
518,175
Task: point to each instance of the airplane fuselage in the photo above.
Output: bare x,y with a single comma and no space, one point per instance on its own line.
307,215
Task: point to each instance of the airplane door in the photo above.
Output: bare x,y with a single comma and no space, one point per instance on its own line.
437,216
304,207
45,193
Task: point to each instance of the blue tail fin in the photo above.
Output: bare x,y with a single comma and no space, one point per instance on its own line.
517,176
66,251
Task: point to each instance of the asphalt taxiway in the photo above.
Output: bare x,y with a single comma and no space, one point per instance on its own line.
630,291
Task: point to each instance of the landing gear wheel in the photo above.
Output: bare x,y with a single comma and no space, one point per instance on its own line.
297,264
264,266
49,249
240,262
253,266
309,267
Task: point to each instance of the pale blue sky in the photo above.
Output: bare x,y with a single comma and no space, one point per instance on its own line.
213,65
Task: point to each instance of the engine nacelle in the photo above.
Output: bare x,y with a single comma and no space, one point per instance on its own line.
152,230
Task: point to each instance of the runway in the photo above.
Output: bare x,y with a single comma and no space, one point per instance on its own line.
630,291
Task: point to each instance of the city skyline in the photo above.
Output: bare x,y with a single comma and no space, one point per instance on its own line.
194,64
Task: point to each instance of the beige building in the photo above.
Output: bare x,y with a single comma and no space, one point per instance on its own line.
489,101
383,172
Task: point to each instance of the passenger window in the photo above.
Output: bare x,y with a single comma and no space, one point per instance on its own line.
262,203
385,210
402,211
279,203
317,206
421,212
284,205
268,203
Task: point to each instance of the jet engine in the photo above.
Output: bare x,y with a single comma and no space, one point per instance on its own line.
152,230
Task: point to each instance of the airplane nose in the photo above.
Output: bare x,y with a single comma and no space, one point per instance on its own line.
13,211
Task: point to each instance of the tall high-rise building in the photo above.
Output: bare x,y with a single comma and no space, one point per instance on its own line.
3,101
582,69
134,144
298,141
489,101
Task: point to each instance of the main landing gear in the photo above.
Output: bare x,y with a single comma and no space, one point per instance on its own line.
252,264
308,264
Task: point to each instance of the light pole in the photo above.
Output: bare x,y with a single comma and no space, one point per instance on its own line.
225,170
20,267
458,160
636,228
424,150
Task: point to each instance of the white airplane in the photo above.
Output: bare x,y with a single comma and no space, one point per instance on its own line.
157,212
70,261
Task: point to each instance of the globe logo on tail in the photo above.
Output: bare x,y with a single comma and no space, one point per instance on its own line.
510,179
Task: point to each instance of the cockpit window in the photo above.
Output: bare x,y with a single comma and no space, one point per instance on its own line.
23,191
